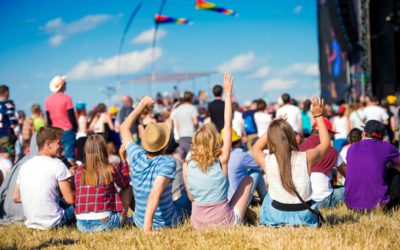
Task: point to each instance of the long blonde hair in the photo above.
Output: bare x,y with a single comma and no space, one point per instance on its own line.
206,146
281,142
97,170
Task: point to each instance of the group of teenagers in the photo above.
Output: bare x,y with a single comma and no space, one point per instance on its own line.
216,182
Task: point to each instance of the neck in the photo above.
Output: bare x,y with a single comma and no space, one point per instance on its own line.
218,98
45,153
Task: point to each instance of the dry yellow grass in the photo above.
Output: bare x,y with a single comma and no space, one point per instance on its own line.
346,230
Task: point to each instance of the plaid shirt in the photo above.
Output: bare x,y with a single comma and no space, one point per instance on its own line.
101,198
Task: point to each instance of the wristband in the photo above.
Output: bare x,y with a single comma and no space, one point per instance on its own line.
318,116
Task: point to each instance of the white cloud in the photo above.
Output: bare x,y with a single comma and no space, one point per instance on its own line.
60,30
239,63
148,35
311,69
278,84
297,9
130,63
261,72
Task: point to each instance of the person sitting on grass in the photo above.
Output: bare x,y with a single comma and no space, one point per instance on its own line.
38,182
372,176
152,173
206,174
240,165
98,205
288,170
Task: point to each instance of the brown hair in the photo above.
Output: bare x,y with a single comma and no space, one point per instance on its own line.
97,170
187,96
101,108
206,146
35,108
48,134
281,142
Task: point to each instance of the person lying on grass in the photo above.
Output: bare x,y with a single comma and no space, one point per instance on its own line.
152,173
206,174
288,170
98,205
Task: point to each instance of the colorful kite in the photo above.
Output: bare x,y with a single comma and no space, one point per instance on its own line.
203,5
160,19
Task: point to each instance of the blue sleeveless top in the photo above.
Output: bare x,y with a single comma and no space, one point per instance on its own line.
209,187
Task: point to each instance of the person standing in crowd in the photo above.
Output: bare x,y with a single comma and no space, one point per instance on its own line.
98,204
341,125
206,174
237,121
126,109
357,116
249,122
391,126
375,112
262,118
60,114
186,122
216,108
37,117
372,176
8,121
292,113
81,134
306,119
151,172
102,122
322,172
38,182
288,170
355,135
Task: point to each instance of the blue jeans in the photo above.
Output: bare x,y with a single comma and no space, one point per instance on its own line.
183,205
68,141
111,222
258,184
333,199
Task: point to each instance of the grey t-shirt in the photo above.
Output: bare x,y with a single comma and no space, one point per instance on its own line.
183,117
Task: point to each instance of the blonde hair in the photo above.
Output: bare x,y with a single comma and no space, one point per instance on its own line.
281,142
206,146
97,170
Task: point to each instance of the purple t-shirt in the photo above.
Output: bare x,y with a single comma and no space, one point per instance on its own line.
365,186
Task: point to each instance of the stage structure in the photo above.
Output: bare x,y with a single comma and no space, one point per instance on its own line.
359,48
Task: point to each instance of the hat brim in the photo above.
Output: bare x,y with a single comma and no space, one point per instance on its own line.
153,149
54,89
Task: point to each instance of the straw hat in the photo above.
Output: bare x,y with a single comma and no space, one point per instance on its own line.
57,83
156,137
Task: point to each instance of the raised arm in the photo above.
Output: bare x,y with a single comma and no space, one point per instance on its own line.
126,134
315,154
258,151
227,136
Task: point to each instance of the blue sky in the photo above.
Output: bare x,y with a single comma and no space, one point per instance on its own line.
271,47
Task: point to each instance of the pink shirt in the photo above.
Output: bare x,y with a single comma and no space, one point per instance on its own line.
58,105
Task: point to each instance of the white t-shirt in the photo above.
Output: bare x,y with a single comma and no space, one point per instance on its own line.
321,183
237,122
357,119
5,167
38,181
340,126
262,121
375,113
183,117
293,115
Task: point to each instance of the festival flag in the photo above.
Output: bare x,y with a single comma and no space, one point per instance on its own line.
203,5
160,19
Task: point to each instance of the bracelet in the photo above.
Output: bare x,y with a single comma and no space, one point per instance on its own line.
318,116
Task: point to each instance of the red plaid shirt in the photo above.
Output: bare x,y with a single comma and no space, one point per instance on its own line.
101,198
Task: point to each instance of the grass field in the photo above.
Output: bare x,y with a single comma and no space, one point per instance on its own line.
345,230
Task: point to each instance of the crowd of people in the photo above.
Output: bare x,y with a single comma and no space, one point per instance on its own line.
179,157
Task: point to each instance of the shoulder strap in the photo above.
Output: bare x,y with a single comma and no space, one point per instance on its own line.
321,219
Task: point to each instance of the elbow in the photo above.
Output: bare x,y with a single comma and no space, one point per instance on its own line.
70,201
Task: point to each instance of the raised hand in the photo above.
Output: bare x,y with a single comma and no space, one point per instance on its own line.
148,102
122,153
317,106
228,83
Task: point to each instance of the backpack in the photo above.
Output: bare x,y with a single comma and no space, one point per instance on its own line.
249,125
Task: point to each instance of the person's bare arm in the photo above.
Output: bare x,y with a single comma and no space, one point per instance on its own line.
66,191
126,134
227,136
195,121
258,151
342,169
315,154
16,194
152,202
109,122
184,172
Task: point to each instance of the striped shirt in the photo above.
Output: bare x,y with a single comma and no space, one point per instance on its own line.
143,174
7,117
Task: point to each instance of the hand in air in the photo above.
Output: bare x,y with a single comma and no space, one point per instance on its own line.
148,102
228,82
317,106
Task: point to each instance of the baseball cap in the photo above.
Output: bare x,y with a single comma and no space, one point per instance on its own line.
375,128
327,124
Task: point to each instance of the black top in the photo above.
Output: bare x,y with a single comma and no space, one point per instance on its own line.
216,110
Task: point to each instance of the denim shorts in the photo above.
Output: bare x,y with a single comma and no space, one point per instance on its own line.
111,222
271,216
68,141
